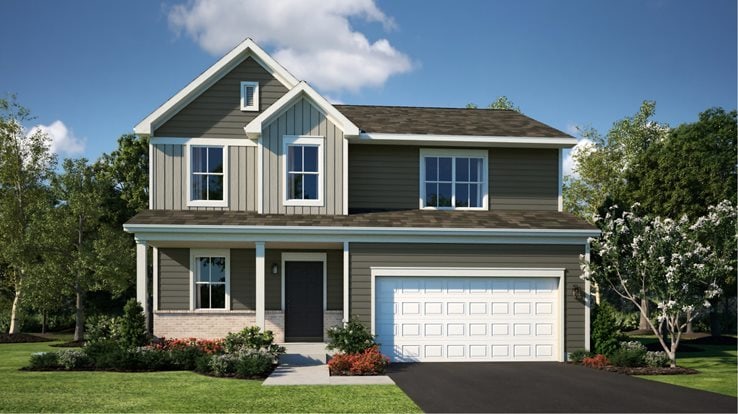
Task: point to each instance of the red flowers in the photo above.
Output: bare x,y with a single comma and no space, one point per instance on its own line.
368,362
597,361
206,346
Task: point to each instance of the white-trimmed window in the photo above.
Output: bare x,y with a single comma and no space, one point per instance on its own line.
453,179
208,178
249,96
303,170
210,279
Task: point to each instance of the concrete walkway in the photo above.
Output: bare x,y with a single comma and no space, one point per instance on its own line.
317,374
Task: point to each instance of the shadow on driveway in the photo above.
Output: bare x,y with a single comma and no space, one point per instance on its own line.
544,387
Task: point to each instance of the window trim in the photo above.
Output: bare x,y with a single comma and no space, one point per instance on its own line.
454,153
196,253
288,140
226,172
255,106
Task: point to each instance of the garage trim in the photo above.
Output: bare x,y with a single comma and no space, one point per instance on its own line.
378,271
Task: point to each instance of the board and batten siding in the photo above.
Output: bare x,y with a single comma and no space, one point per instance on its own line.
386,177
217,113
169,190
365,255
524,179
383,177
302,118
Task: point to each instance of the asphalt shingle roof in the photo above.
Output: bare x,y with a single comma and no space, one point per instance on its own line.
446,121
500,219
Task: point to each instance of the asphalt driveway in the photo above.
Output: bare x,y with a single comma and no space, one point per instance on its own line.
544,387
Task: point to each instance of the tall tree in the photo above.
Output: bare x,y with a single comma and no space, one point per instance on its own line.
127,167
85,253
502,102
25,166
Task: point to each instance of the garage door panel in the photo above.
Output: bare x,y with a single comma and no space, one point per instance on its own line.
467,319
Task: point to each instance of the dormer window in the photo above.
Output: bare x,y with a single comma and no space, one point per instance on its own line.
249,96
453,179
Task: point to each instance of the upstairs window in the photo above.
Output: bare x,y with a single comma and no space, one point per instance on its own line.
303,171
249,96
453,179
207,176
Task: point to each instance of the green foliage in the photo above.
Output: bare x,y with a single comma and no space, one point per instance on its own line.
44,360
352,338
578,355
629,354
626,321
605,334
502,102
242,364
133,325
656,359
101,328
127,167
251,339
74,359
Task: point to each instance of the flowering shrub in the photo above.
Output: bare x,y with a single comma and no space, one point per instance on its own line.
205,346
656,359
243,364
368,362
352,338
251,339
597,361
73,359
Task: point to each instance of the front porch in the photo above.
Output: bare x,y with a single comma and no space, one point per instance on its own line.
206,289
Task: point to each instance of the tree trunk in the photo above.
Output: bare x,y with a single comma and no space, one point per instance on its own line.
643,324
79,323
15,311
715,328
689,324
44,316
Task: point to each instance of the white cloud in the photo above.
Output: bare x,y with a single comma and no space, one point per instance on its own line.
569,163
313,39
63,139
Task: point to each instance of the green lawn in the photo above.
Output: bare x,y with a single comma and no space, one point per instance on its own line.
24,391
718,366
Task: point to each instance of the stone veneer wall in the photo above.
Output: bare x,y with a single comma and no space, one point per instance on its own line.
186,324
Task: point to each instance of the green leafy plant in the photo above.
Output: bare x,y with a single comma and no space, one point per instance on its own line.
101,328
44,360
605,333
253,340
352,338
74,359
657,359
132,326
579,355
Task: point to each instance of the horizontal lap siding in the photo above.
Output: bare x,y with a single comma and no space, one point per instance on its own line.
217,112
383,177
174,279
303,119
364,255
170,178
524,179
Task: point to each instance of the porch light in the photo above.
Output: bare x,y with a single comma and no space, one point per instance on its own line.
576,291
275,269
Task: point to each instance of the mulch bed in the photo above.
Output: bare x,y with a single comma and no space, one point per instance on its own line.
651,370
70,344
21,338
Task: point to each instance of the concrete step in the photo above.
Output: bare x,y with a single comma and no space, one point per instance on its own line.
303,354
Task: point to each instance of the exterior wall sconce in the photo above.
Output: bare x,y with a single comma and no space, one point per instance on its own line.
576,291
275,268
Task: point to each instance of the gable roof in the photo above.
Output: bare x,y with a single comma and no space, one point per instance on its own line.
447,121
238,54
253,128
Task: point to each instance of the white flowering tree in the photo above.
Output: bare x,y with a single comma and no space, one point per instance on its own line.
661,260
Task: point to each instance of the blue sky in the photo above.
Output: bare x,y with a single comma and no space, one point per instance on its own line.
90,70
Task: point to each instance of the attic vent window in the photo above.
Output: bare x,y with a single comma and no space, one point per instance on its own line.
249,96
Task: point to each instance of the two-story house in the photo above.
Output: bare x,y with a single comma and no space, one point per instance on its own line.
441,229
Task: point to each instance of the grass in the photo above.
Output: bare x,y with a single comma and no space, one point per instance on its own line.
24,391
718,367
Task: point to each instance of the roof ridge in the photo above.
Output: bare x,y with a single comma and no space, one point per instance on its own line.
426,107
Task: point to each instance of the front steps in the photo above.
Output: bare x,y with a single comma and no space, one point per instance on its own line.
304,354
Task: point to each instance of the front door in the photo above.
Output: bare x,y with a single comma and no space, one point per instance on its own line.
303,292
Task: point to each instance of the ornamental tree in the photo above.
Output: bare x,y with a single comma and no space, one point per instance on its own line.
661,260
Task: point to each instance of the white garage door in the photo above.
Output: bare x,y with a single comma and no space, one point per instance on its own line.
467,318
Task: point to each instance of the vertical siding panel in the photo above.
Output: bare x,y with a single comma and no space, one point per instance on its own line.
338,182
160,177
273,170
282,124
267,185
232,172
299,128
329,164
252,178
154,167
177,177
243,165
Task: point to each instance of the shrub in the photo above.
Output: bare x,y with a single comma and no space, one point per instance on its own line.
605,334
627,321
578,356
132,325
205,346
597,361
74,359
251,339
101,328
255,364
630,354
368,362
352,338
222,365
656,359
44,360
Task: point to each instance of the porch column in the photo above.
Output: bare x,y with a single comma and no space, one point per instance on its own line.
142,270
346,287
260,285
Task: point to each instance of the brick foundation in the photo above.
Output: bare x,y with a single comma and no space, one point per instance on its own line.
330,319
200,324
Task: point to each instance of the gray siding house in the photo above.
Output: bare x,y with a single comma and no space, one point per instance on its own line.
441,229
